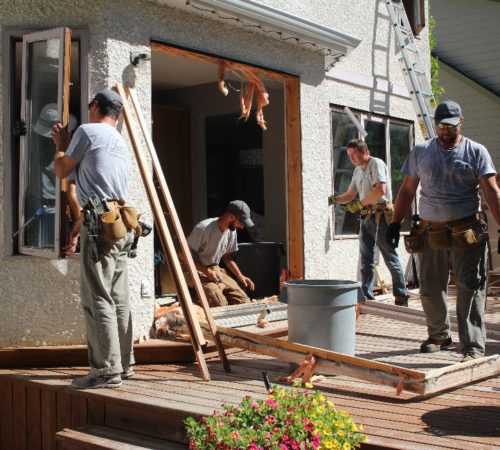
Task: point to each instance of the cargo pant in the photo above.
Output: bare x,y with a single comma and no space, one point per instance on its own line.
469,267
105,301
226,292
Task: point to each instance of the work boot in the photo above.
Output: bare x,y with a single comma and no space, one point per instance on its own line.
432,345
401,301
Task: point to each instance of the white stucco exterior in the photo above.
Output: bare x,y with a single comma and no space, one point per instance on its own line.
39,298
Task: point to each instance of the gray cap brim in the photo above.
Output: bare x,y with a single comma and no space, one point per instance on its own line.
450,120
248,223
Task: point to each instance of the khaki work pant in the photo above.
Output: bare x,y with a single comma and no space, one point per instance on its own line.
226,292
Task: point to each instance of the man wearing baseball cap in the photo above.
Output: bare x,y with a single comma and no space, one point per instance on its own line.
213,240
450,170
100,159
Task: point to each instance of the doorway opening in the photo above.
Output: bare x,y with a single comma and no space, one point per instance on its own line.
210,155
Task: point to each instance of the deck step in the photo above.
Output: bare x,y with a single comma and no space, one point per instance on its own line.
94,437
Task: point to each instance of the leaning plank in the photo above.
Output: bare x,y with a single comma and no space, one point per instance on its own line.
459,374
200,292
330,362
416,316
193,325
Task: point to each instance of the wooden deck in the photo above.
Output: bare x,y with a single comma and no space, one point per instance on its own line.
37,403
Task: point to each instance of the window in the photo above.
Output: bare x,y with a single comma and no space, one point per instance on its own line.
388,139
43,75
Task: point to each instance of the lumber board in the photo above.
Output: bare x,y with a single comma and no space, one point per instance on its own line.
6,415
416,316
19,414
33,417
294,179
197,338
200,292
330,362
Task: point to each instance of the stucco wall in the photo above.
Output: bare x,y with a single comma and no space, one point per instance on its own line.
46,308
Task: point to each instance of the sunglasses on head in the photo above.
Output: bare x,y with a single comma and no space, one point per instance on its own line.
447,126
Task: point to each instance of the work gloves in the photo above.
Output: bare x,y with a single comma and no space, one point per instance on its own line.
353,206
392,235
332,200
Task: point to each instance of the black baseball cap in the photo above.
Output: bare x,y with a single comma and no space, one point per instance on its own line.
448,112
241,210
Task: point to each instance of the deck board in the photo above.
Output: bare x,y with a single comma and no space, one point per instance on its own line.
159,397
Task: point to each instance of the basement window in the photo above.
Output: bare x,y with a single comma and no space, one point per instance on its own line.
387,138
43,72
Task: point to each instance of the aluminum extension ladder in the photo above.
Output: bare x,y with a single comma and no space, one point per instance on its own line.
413,69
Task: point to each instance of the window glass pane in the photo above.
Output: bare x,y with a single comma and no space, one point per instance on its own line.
343,131
38,166
400,147
376,139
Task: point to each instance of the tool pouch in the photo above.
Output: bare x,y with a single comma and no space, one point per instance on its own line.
414,242
111,226
439,239
466,236
131,219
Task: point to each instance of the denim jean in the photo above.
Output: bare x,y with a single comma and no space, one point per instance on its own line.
469,267
369,233
105,301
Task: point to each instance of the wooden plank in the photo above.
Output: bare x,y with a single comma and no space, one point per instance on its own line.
188,257
100,438
168,425
459,374
49,411
294,171
63,408
330,362
416,316
6,416
19,413
193,325
78,411
34,417
96,411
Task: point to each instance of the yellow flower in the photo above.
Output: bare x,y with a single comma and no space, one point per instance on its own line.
308,385
346,446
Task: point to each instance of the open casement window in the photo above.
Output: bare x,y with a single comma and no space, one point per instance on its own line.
44,100
388,139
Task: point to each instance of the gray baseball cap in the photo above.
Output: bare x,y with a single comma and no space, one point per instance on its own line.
448,112
108,97
241,210
48,118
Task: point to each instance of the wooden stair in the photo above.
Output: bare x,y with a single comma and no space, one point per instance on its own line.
94,437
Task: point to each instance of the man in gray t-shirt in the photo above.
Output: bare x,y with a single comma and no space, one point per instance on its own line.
214,240
372,183
450,170
100,160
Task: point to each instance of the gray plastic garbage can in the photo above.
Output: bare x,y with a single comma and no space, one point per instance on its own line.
322,313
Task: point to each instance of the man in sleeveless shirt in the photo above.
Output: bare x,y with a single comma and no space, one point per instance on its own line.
372,183
450,169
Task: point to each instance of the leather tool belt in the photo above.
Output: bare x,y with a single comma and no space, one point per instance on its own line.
378,210
463,233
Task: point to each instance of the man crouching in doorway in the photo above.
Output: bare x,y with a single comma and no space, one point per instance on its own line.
213,240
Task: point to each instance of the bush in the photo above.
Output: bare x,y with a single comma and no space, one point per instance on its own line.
288,419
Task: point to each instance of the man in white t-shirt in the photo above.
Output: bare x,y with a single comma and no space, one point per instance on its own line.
214,240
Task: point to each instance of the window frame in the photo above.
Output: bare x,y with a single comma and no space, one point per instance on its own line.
363,117
11,144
